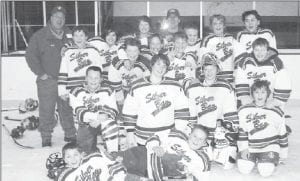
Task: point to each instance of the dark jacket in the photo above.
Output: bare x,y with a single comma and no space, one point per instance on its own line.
43,54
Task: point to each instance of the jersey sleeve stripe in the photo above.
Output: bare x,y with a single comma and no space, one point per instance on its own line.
157,169
155,129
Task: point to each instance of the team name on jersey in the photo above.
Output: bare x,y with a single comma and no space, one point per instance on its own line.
109,55
90,102
89,174
78,56
225,47
177,68
81,60
205,106
180,152
257,124
128,78
157,99
226,50
248,45
255,75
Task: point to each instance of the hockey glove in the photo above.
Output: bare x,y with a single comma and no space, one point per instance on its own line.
54,163
31,123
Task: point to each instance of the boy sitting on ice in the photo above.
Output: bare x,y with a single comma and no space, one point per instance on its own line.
262,136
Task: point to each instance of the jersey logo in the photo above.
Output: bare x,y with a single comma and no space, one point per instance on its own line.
90,103
81,59
255,75
180,152
89,174
248,45
226,51
205,106
158,102
178,71
109,55
256,119
128,79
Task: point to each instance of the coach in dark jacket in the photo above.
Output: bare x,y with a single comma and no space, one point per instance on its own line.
43,57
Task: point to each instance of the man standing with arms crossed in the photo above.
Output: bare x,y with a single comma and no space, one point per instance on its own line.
43,57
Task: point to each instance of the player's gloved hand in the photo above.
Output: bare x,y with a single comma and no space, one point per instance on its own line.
158,150
245,154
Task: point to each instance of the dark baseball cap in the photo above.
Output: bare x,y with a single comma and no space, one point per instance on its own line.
58,9
173,11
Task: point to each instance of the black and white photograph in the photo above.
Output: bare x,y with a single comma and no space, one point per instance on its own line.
136,90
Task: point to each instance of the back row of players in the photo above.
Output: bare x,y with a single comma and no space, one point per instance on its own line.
152,84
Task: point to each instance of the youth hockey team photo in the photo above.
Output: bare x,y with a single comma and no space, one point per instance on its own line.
150,91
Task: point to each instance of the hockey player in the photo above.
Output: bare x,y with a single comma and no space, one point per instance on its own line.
77,58
223,45
263,63
252,22
211,99
144,27
100,44
109,48
262,137
96,166
182,65
193,41
95,109
154,105
122,72
155,47
179,157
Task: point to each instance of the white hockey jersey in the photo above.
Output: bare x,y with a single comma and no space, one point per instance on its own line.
195,49
121,76
152,108
109,53
88,105
272,70
226,48
99,44
262,129
96,166
74,64
246,38
195,162
207,104
182,67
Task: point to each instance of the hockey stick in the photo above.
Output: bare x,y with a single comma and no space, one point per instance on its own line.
15,109
12,109
11,119
16,142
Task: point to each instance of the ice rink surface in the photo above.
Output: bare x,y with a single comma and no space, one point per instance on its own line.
19,164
